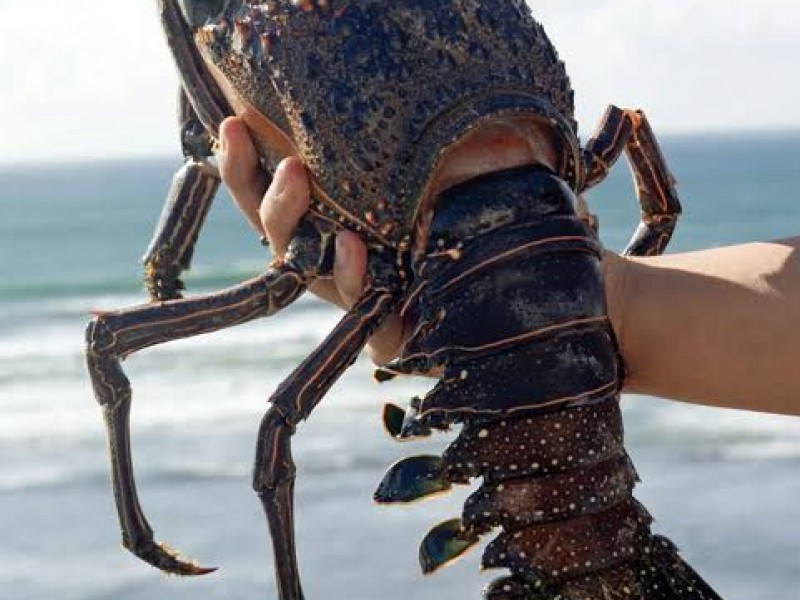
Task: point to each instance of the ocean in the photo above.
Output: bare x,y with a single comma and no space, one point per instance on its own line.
723,484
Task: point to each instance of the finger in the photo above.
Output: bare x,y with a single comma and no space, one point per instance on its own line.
349,267
240,169
349,271
326,290
287,200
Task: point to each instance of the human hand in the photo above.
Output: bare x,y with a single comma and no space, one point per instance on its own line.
274,211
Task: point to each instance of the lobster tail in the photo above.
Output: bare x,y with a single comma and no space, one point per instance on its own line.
509,307
666,575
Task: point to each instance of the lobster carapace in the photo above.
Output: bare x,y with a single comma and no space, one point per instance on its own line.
498,276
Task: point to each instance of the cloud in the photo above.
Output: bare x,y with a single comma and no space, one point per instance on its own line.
93,78
710,65
84,79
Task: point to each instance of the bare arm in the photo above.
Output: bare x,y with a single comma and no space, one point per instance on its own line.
718,327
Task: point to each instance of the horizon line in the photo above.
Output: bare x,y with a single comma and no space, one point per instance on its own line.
158,156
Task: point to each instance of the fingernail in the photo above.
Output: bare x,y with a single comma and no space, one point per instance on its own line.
342,256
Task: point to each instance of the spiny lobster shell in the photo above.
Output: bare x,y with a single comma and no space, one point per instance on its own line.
369,93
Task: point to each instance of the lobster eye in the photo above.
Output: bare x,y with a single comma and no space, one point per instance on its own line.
200,12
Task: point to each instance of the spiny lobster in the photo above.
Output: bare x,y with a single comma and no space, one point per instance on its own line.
499,276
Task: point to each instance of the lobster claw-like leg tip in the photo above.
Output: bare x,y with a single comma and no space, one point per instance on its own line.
162,557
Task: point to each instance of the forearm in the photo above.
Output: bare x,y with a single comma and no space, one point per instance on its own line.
718,326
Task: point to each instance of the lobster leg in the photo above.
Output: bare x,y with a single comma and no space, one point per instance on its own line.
193,189
206,98
202,108
274,471
629,130
113,336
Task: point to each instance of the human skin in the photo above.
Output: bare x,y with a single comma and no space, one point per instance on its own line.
716,327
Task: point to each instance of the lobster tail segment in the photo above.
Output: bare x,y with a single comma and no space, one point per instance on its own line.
523,502
615,584
666,576
564,550
508,312
513,588
657,574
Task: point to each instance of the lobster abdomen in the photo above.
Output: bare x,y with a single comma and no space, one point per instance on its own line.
509,302
509,308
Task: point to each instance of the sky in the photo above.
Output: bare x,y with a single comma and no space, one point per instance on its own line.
92,78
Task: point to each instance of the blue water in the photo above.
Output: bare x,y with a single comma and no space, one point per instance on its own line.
723,484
